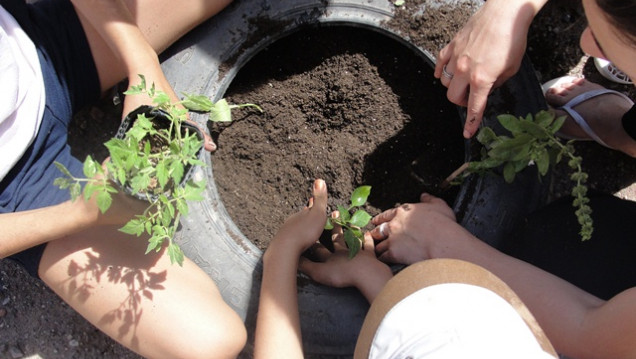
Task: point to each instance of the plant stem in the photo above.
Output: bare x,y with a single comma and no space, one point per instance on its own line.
446,182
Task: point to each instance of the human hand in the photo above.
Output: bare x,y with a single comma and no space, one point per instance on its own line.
302,229
408,232
484,54
122,209
336,269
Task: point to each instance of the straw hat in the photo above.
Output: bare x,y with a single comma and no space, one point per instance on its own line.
446,308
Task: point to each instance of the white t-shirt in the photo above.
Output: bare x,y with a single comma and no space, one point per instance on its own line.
454,320
22,97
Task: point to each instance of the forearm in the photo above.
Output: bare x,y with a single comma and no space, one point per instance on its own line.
278,322
115,24
23,230
560,308
522,11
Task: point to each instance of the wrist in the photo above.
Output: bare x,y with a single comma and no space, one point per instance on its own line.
373,279
281,253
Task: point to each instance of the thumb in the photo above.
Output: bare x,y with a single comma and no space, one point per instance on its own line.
320,195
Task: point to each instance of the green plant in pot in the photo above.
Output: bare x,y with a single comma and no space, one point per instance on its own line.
532,140
152,158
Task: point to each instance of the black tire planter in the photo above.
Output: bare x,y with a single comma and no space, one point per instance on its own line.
207,60
161,117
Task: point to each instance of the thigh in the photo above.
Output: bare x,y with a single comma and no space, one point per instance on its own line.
149,305
162,22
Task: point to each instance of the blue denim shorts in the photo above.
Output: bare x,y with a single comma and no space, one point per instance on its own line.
71,82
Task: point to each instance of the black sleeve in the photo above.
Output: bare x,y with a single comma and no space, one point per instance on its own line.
629,122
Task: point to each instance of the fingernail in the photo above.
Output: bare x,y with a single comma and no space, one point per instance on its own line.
467,134
319,184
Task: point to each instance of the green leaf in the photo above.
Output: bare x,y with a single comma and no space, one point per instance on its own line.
193,190
134,227
182,206
75,190
510,123
533,129
90,167
360,195
221,112
104,200
175,253
162,174
519,165
198,103
344,214
360,218
62,182
161,99
556,125
140,183
138,89
154,244
63,169
512,149
544,118
486,135
177,169
329,224
509,172
543,162
353,242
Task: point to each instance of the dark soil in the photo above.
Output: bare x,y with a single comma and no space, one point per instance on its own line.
327,110
347,105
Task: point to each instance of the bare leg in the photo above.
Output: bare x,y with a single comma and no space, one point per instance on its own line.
162,22
157,309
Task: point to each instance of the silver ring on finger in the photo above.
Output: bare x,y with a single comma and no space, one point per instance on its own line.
448,75
383,230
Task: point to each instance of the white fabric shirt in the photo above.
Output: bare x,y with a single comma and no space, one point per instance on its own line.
22,97
454,320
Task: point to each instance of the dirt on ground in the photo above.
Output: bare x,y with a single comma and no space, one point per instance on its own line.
341,92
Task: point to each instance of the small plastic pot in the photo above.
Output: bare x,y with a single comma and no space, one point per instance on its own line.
160,117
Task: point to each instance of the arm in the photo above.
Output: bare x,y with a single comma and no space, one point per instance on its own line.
278,323
577,323
22,230
485,53
116,26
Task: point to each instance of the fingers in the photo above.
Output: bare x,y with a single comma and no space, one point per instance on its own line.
385,216
369,242
380,232
208,143
442,59
319,190
337,235
477,99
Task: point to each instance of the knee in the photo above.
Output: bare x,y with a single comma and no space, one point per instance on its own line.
223,338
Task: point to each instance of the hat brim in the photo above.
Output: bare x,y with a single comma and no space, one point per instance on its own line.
433,272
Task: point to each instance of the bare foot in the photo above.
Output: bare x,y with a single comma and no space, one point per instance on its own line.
602,113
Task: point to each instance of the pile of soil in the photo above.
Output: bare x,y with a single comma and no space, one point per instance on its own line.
344,104
34,321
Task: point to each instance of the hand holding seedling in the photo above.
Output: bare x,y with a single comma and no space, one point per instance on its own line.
151,160
123,207
302,229
337,269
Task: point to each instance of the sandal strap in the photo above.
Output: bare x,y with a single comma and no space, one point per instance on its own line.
577,100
